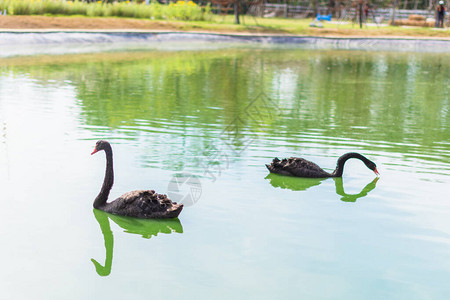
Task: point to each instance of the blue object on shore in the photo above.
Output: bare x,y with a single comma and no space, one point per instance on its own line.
323,17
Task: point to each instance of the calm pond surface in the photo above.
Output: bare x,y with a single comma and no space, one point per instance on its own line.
200,126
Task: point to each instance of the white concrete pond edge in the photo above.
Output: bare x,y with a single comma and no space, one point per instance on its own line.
26,42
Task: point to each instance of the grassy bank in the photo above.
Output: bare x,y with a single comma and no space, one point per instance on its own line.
301,27
219,24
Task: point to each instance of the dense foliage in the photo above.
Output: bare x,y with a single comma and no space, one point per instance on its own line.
181,10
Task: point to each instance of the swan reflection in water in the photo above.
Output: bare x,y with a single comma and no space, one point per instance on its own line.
144,227
338,182
302,184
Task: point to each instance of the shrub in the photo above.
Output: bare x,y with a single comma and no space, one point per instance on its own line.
181,10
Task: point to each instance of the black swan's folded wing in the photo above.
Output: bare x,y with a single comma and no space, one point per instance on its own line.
295,166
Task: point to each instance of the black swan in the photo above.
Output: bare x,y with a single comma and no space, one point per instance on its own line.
300,167
139,204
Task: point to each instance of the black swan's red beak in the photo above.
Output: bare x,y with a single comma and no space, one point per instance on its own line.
376,171
95,150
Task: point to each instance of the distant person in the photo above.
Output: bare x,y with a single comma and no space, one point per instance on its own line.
440,14
366,11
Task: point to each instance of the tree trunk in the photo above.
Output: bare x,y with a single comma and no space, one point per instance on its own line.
394,7
315,7
236,12
360,14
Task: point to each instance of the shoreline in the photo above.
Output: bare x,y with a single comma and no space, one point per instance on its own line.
59,42
252,26
69,35
231,34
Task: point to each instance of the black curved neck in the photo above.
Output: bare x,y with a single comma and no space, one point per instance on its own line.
343,159
108,181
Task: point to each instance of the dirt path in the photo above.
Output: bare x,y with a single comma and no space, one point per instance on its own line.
44,22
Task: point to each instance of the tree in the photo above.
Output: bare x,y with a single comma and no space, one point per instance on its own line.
394,7
236,11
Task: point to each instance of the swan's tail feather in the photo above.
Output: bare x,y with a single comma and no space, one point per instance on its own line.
274,165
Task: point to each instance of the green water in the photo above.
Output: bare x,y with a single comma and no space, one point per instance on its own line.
217,117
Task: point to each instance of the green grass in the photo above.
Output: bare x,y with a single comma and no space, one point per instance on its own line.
182,10
253,25
301,27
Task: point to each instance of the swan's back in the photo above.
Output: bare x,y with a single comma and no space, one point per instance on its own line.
295,166
144,204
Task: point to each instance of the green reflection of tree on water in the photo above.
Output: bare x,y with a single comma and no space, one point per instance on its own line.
189,96
302,184
145,228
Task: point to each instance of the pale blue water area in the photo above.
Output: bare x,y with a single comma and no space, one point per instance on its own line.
248,235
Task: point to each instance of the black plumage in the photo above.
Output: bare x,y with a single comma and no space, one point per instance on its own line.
140,204
299,167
